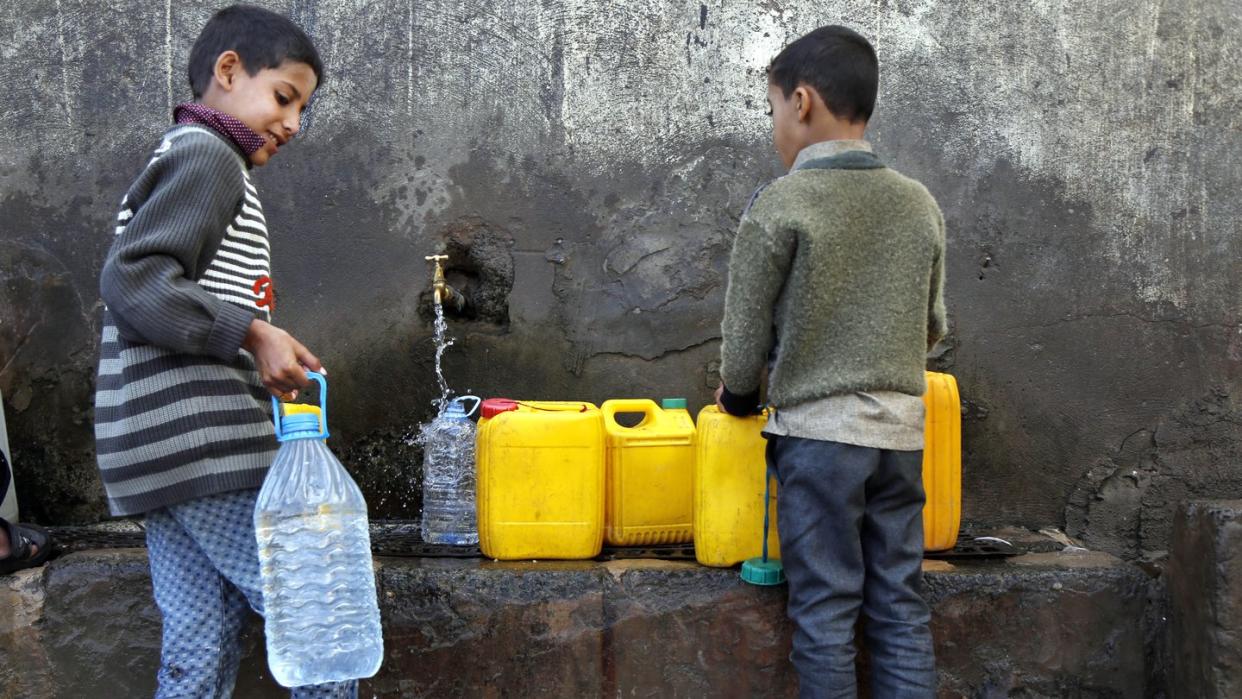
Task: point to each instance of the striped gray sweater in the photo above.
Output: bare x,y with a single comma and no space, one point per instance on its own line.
180,412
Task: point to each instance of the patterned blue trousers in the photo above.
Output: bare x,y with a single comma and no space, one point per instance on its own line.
205,571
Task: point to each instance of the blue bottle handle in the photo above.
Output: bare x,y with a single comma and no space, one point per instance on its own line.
323,407
477,402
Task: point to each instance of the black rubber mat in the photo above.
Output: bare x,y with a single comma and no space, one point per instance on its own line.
415,547
402,538
977,547
667,552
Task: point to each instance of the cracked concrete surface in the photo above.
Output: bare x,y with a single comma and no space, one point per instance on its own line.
1125,503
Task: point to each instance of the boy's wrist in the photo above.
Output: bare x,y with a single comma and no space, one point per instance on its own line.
741,404
255,334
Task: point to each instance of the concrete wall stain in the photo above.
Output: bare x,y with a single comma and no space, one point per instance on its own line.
1087,157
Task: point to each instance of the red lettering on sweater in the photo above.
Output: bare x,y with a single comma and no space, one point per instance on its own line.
263,285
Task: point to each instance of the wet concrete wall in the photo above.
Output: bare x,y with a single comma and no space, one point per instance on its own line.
594,157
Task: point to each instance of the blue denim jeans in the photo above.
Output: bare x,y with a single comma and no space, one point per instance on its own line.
205,571
851,528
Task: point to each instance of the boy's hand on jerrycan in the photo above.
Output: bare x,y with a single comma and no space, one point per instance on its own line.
281,360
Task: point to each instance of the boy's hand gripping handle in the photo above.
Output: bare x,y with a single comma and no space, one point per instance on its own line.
323,407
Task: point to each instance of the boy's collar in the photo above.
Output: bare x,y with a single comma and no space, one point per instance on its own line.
227,125
827,149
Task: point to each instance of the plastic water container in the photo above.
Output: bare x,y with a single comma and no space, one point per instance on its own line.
540,480
321,618
730,468
448,476
650,473
729,480
942,462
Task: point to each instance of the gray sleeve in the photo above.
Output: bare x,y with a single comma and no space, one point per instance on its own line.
148,278
762,255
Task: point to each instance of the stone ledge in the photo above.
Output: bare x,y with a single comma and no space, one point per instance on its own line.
1043,624
1040,625
1205,595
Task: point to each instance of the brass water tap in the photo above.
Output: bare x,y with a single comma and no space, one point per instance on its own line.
443,292
437,280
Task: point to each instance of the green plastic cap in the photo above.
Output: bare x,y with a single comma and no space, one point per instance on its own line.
673,404
757,571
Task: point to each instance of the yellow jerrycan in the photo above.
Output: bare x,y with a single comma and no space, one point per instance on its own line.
730,475
540,479
649,473
730,469
942,462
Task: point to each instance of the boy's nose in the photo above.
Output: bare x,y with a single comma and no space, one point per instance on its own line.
292,124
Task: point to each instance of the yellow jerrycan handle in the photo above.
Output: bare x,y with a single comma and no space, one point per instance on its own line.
646,406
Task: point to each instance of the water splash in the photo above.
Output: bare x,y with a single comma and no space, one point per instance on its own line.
447,515
417,434
443,342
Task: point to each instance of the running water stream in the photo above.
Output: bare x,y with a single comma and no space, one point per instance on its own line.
448,515
443,342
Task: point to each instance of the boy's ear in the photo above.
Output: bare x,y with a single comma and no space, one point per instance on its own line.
801,98
227,66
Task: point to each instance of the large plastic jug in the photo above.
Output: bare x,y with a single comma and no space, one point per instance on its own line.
448,476
649,473
730,477
540,480
321,618
942,462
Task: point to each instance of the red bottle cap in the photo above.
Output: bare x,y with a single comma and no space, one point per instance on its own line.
495,406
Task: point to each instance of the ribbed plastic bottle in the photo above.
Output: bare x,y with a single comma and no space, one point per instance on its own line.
321,618
449,514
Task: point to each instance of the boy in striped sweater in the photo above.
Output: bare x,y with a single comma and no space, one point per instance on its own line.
188,354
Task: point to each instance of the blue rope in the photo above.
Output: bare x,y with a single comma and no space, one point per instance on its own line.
767,502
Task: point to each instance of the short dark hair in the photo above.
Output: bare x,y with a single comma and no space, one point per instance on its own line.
262,38
839,63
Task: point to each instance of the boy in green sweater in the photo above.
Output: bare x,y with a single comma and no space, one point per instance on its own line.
835,286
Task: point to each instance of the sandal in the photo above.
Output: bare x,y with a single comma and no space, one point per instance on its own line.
23,538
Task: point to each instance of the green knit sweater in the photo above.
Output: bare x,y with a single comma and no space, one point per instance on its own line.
839,268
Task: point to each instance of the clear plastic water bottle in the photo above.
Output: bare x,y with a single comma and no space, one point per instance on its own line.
448,477
321,618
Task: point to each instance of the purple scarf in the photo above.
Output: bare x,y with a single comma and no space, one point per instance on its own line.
228,126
